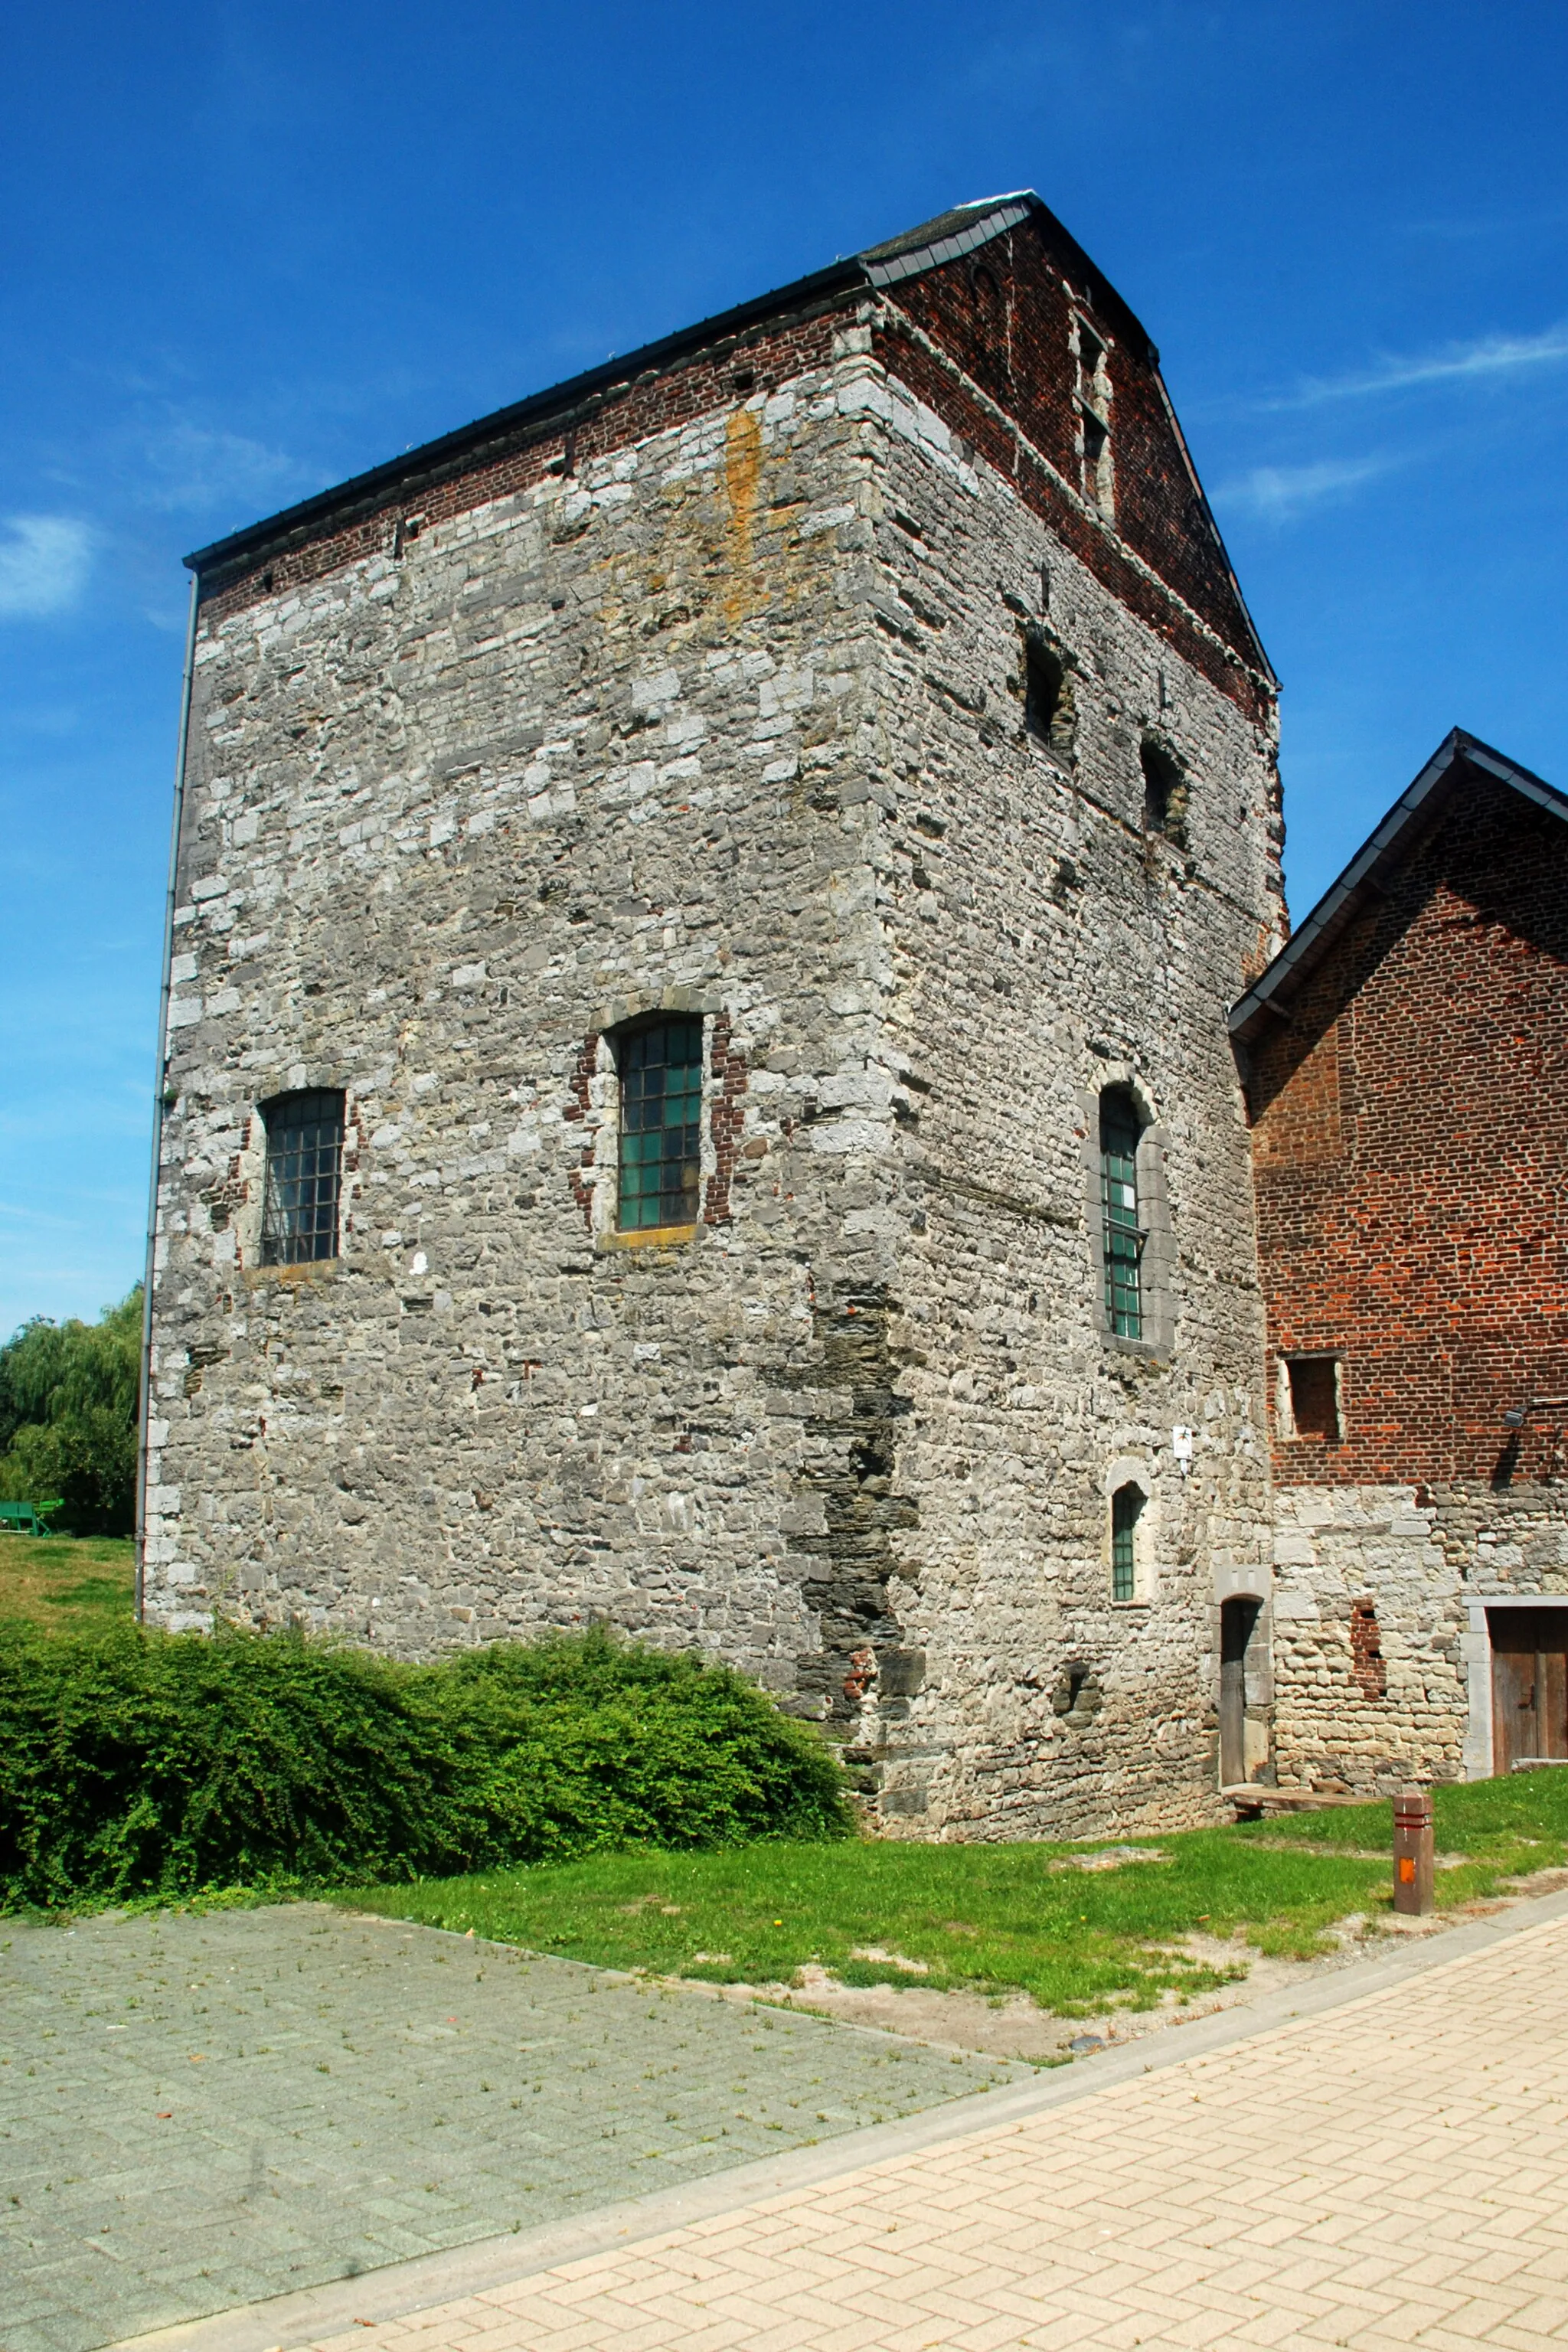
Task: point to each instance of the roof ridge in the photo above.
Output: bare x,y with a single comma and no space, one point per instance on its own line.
1388,838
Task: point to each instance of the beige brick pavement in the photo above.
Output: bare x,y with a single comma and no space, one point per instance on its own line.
1393,2172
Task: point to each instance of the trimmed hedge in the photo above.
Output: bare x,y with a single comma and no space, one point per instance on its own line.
135,1763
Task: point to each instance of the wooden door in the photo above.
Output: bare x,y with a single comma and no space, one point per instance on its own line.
1238,1620
1529,1685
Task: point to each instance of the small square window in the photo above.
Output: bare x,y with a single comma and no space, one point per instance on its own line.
661,1125
1314,1391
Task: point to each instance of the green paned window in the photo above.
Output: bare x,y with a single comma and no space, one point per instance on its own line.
661,1125
1126,1507
1119,1132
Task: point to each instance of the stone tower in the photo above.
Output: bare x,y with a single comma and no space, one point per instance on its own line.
698,1090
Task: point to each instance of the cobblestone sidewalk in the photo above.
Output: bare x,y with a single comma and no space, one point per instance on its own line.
1391,2173
196,2112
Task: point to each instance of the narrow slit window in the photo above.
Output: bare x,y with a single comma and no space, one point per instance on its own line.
1126,1510
304,1177
1042,690
1123,1240
661,1125
1314,1397
1049,710
1368,1666
1094,410
1165,794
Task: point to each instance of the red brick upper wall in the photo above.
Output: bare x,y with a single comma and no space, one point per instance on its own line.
1004,315
985,342
1411,1148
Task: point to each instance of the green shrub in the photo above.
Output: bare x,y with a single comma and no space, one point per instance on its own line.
136,1763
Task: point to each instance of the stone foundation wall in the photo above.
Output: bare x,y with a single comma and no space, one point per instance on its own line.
1380,1653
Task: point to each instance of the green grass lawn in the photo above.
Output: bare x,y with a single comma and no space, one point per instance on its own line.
995,1918
68,1582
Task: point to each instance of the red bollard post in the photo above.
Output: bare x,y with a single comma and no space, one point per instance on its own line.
1413,1858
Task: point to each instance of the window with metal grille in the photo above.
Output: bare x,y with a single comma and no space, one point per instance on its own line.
1120,1128
1126,1509
304,1177
661,1124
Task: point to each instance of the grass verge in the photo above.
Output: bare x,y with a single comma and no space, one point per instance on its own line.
995,1919
67,1584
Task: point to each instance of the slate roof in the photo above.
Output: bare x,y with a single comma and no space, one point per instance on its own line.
1456,764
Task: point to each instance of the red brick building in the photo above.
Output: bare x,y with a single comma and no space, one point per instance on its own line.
1404,1060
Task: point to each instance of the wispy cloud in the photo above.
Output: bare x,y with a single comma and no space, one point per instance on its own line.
44,563
1279,493
27,1216
1491,355
193,470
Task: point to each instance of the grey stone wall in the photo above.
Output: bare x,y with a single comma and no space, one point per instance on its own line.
585,750
1429,1561
1039,944
731,724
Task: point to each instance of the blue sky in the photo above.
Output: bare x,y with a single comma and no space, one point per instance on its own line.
251,249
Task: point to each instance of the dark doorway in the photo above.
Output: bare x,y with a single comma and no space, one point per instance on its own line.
1529,1685
1237,1624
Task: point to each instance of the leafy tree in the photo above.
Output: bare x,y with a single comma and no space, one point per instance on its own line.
69,1394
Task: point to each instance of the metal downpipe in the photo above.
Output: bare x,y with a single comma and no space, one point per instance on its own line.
145,1406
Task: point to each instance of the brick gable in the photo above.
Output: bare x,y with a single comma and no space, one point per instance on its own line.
1410,1133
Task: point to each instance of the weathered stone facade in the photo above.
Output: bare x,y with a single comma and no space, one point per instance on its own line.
705,688
1417,1573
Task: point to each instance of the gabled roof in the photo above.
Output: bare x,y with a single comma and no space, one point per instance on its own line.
1458,761
947,237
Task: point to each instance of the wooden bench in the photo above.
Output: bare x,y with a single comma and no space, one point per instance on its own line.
27,1519
1253,1802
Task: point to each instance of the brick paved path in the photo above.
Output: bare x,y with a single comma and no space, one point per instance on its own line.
199,2112
1393,2172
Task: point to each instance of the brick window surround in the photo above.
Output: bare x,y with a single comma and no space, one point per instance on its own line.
660,1157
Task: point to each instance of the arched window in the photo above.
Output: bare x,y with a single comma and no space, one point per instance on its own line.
304,1177
660,1068
1120,1128
1126,1510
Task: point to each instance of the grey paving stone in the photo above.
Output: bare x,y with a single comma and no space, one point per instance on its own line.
199,2111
